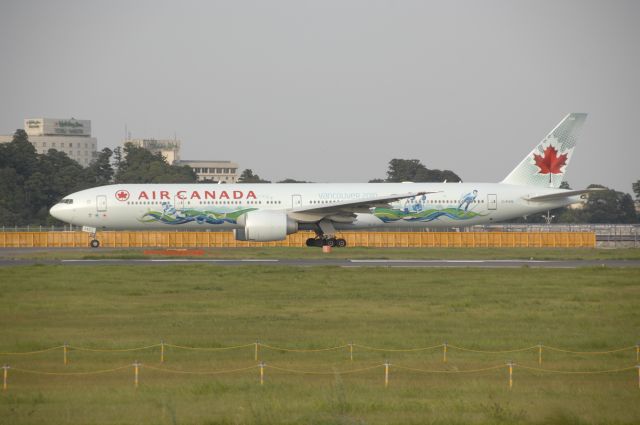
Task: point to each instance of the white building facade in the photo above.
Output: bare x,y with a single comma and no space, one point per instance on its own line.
70,136
213,171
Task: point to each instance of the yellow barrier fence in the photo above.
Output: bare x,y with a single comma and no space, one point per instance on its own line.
257,347
126,239
262,366
137,366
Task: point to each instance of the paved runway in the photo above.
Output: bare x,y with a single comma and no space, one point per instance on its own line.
336,263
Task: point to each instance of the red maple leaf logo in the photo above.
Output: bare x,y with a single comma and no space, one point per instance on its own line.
122,195
550,162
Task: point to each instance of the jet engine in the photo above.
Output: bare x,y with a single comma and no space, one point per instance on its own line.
265,226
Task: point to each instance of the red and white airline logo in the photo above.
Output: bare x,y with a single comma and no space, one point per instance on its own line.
122,195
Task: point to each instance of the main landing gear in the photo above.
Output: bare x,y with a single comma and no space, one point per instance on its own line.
324,241
325,236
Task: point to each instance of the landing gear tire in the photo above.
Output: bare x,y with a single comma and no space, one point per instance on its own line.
317,242
320,242
94,243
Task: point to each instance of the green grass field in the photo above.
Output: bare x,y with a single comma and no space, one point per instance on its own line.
350,253
309,308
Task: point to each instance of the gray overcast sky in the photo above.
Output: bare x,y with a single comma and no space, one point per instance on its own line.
331,91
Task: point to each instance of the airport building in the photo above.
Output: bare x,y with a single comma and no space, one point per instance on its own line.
70,136
168,148
210,171
213,171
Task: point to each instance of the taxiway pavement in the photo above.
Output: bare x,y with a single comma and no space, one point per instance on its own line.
329,262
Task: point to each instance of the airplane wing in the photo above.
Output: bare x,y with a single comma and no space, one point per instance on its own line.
345,211
561,195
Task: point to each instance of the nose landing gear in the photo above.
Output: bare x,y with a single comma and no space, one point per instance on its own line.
93,243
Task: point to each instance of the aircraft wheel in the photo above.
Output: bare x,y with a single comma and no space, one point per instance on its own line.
341,243
94,243
330,242
311,242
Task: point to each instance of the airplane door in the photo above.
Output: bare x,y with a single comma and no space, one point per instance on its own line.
492,202
101,203
296,201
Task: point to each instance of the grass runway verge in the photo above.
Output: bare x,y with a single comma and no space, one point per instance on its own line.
115,307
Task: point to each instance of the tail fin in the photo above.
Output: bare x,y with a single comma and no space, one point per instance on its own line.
546,164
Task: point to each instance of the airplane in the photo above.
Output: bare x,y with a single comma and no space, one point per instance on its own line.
270,212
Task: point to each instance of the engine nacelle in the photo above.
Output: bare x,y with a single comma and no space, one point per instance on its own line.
265,226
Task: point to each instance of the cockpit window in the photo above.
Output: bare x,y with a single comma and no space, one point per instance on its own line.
67,201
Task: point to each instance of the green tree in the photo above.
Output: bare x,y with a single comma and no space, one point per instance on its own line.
100,169
414,171
609,206
139,165
117,157
11,198
19,154
247,176
32,183
636,189
63,176
18,162
288,180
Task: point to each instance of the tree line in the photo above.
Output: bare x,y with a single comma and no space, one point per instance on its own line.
31,183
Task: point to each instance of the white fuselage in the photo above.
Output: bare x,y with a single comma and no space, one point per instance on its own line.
216,206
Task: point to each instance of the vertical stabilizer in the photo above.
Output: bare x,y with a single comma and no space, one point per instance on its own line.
546,163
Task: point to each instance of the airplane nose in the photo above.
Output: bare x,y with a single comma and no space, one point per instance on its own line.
55,211
62,213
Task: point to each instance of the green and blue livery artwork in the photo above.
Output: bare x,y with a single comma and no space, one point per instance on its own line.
172,216
417,209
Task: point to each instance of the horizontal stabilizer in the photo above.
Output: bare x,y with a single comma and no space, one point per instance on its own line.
561,195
